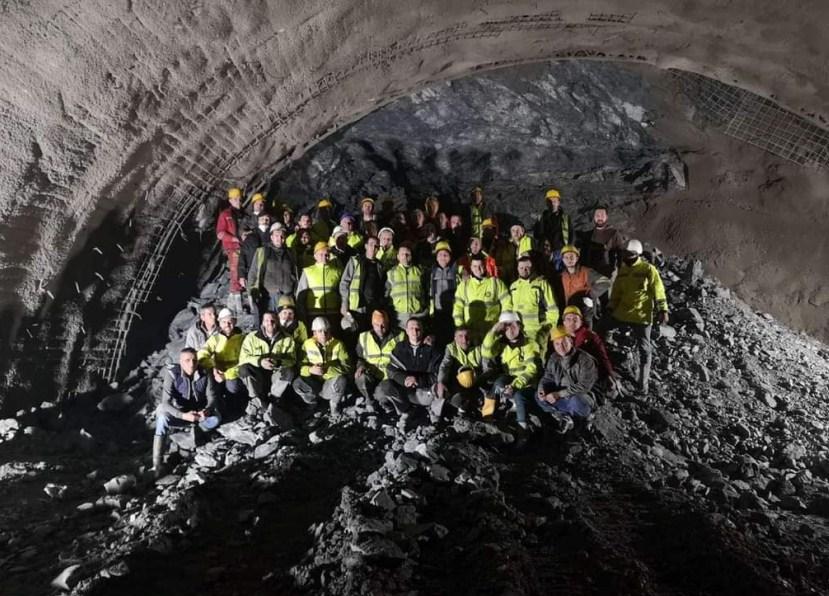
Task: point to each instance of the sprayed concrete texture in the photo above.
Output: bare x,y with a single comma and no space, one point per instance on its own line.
103,101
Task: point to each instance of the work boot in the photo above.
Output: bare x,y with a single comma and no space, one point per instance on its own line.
199,437
158,453
563,423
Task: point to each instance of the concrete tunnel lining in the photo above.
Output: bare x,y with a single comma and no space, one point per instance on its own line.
233,103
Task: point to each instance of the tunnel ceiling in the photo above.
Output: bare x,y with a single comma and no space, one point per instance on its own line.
135,109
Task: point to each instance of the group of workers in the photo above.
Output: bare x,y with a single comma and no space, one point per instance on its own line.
429,308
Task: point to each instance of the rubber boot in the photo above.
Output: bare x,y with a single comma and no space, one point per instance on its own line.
158,452
490,402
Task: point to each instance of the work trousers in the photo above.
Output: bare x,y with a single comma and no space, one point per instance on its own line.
233,270
260,382
403,397
311,387
642,334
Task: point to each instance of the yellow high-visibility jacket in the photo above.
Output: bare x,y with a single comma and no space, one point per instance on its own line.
332,356
222,353
636,291
521,360
479,302
256,346
534,300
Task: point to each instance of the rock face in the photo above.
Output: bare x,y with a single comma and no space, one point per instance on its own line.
581,127
706,468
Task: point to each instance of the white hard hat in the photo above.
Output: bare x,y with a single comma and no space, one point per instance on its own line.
634,246
276,226
320,324
226,313
509,317
338,231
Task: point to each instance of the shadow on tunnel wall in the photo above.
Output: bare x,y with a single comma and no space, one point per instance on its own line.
60,350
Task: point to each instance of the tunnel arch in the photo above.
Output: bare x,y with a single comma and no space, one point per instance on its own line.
197,97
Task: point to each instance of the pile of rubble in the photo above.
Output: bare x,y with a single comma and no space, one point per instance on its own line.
723,467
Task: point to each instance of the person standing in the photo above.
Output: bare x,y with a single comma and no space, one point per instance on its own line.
229,233
637,294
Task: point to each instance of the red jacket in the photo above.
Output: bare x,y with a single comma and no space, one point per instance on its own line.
590,342
227,229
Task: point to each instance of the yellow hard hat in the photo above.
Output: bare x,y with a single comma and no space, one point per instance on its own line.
324,203
257,198
285,302
234,193
558,333
466,377
443,245
552,194
572,310
320,246
488,223
570,248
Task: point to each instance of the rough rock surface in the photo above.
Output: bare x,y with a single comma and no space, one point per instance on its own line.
724,466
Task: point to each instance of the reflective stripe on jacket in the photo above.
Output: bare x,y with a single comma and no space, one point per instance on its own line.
454,358
376,354
222,353
636,290
583,280
479,302
257,346
405,289
521,360
318,291
535,301
332,357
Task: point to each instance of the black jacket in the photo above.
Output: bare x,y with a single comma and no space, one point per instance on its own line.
421,363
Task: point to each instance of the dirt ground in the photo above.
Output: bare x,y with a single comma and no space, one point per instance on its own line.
753,219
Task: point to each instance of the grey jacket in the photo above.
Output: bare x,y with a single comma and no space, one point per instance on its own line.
197,335
574,374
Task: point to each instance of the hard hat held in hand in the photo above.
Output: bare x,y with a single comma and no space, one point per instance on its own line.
466,377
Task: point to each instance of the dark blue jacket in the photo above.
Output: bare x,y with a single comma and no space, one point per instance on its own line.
183,394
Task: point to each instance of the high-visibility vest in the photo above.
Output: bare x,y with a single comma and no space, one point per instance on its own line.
406,289
476,217
323,295
356,283
377,355
222,353
479,302
387,256
521,360
332,356
535,301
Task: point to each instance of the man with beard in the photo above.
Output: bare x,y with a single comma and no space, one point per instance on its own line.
601,247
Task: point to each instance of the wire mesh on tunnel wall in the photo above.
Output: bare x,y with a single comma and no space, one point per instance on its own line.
756,120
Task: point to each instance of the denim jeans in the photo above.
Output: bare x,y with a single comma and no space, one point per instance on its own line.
164,422
575,405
